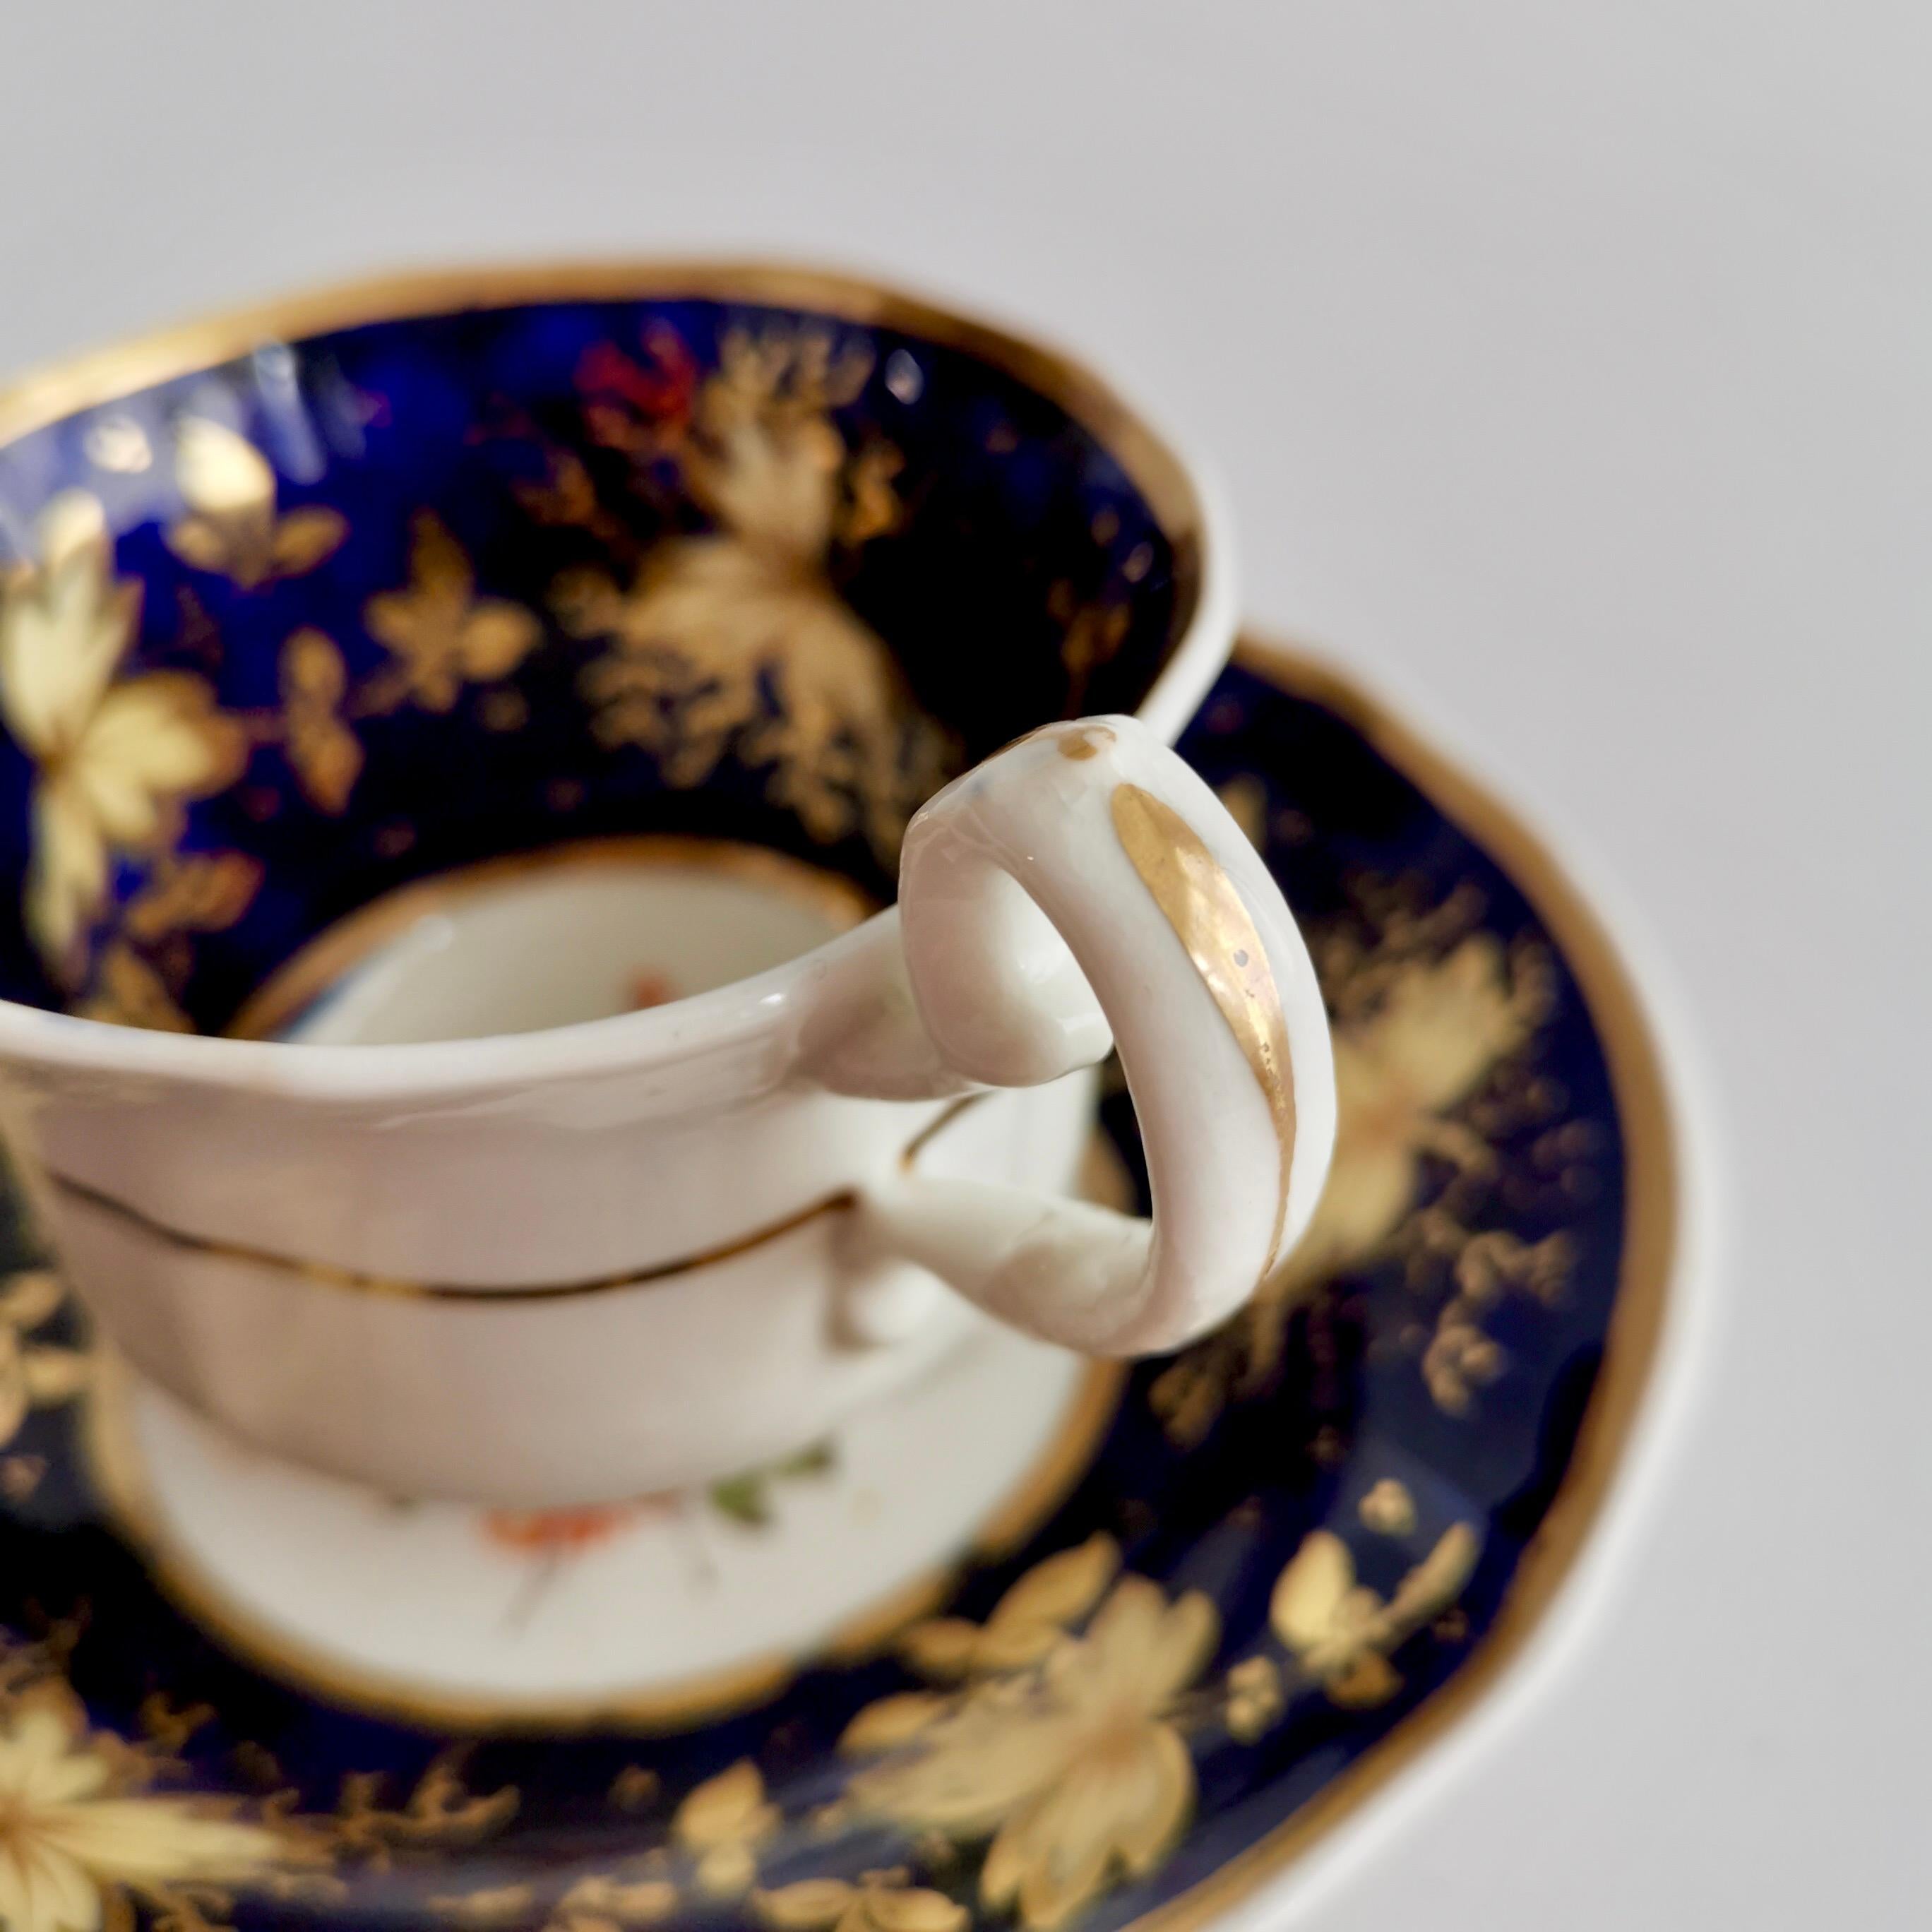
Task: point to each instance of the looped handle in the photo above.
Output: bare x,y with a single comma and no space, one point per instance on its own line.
1084,887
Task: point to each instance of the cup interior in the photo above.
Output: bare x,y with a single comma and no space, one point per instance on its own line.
312,608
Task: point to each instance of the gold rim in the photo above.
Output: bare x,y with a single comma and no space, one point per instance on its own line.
334,953
46,395
394,1287
116,1465
323,1274
1650,1218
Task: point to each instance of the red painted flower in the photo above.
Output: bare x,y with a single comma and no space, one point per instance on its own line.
639,406
561,1532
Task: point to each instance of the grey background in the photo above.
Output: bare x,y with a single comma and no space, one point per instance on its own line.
1568,367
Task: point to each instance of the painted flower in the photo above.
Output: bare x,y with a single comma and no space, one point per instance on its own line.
115,762
1341,1632
555,1532
747,1497
1072,1771
72,1843
642,407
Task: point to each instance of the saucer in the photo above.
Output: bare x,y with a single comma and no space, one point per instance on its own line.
1120,1662
444,1614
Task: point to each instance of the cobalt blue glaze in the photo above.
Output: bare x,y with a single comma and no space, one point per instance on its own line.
993,538
1219,1465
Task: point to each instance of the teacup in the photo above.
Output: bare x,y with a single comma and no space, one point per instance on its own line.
398,686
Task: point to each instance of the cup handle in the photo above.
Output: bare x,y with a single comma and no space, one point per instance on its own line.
1083,887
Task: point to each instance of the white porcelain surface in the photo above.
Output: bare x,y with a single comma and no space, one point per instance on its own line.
437,1604
565,1263
550,1400
1568,365
609,927
1030,924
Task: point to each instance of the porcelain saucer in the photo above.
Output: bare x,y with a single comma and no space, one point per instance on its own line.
1118,1664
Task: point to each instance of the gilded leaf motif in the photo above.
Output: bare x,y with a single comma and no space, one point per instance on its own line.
127,991
1254,1698
1431,1016
81,1835
1341,1632
604,1904
806,1907
34,1375
879,1902
1026,1622
192,892
1070,1769
231,527
326,755
886,1723
721,1823
115,762
440,633
737,641
493,1905
137,973
1388,1508
440,1810
1094,635
29,1298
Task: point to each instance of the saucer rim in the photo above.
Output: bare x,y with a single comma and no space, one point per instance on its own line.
1629,1396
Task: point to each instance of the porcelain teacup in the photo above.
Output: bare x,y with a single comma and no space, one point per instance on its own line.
462,742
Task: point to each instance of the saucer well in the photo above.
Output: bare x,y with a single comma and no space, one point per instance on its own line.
1236,1589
